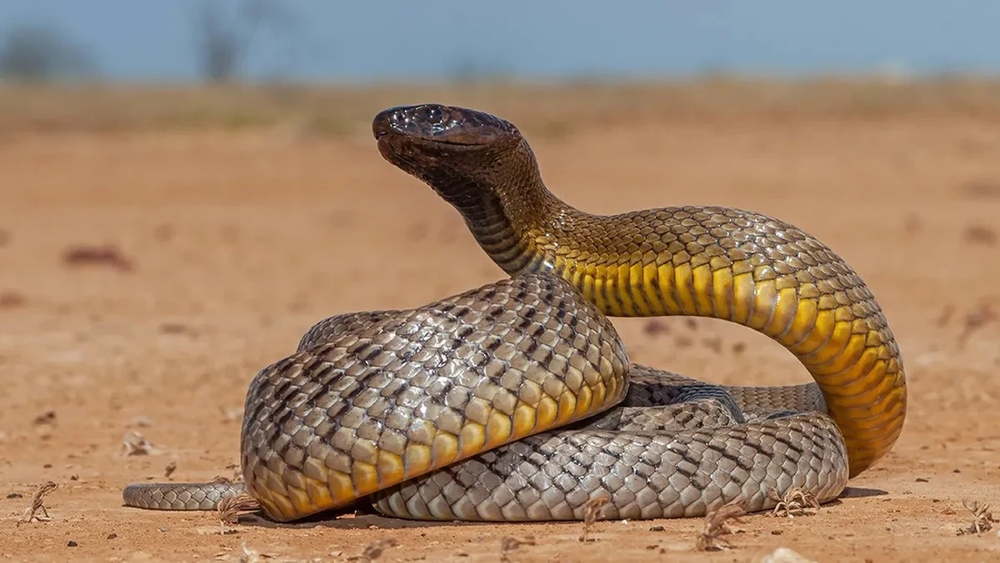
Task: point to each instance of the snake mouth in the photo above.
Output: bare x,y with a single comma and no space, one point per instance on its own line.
436,124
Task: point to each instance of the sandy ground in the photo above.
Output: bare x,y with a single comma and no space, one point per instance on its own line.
230,246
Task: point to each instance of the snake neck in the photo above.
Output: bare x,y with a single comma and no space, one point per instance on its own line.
507,207
714,262
724,263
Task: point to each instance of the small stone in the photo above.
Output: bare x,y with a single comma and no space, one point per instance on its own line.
785,555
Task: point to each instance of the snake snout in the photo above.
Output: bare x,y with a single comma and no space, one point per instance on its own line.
441,124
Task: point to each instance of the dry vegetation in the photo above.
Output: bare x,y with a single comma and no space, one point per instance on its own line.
541,110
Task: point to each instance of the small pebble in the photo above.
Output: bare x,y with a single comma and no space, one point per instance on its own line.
71,543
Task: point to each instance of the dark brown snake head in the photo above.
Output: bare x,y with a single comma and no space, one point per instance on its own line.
462,153
435,124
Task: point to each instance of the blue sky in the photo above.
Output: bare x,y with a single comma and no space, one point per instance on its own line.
340,40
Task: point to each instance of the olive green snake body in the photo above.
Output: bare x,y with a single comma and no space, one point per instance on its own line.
516,401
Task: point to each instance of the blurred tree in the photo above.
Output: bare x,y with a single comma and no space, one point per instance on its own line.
40,53
223,41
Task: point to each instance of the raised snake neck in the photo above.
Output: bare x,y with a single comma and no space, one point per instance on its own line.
718,262
368,406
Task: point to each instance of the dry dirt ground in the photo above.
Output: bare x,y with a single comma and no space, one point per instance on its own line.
145,277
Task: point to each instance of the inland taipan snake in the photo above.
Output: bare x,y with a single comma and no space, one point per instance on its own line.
517,401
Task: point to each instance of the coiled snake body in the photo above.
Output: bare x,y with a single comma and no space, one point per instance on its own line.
516,401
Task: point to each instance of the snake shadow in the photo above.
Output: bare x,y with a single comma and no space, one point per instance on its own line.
862,492
365,517
352,518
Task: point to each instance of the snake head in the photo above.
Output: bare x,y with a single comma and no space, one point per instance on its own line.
462,153
442,128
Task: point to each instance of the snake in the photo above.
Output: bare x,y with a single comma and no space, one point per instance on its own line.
517,400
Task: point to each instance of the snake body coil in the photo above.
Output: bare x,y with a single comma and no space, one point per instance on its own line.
516,401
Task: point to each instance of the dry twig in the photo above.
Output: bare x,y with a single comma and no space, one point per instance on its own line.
710,538
135,444
374,550
169,469
591,510
795,502
982,518
107,255
37,505
237,473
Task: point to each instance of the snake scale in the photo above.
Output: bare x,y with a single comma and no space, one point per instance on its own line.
516,401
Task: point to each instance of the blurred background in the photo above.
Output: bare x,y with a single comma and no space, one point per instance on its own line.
281,46
396,40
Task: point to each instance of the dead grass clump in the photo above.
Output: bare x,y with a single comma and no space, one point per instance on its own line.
716,526
591,510
230,507
982,518
38,505
796,502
